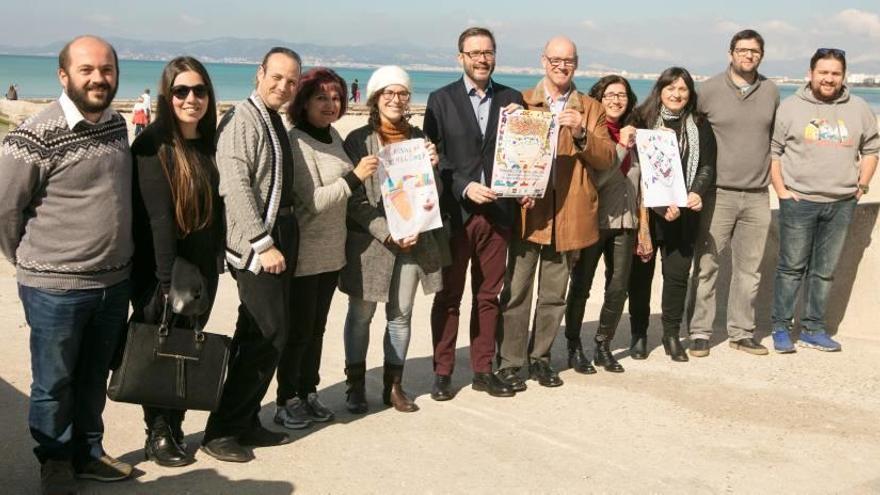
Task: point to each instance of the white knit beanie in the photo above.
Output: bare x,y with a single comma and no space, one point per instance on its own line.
386,76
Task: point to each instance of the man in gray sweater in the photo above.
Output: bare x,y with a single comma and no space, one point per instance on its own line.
255,162
65,223
825,147
740,104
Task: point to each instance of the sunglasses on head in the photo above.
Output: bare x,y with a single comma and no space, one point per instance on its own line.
182,91
834,52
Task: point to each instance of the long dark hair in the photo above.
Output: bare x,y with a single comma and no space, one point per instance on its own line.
191,183
601,85
645,115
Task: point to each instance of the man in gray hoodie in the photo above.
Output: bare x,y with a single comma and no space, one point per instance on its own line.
824,152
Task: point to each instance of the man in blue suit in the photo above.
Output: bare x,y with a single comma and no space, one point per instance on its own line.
462,119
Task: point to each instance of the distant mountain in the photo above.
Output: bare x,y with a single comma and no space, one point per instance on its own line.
250,50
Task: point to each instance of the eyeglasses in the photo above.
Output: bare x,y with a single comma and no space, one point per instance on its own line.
402,96
615,96
746,51
834,52
182,91
567,62
475,54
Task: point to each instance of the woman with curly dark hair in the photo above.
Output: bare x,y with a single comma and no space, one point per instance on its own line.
623,227
324,179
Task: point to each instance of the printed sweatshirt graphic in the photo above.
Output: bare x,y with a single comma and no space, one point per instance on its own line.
820,144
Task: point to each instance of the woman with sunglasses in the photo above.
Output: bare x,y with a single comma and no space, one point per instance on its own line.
324,179
379,268
623,227
177,214
672,106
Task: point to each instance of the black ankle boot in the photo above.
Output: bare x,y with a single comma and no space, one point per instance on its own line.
356,395
163,449
605,358
672,346
638,348
577,360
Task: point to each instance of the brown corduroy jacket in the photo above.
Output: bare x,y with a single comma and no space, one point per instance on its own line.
567,214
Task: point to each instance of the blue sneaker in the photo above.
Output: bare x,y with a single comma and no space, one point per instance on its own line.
818,340
782,341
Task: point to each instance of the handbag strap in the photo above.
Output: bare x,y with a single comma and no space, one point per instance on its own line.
167,321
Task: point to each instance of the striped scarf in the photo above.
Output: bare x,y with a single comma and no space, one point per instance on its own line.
688,141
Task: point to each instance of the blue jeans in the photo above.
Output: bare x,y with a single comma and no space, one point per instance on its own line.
398,313
75,336
811,237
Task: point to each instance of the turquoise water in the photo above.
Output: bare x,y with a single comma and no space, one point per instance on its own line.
36,78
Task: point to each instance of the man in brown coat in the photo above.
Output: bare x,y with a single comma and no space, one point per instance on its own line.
557,225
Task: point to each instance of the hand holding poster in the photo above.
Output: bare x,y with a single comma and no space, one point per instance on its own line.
409,191
660,163
524,151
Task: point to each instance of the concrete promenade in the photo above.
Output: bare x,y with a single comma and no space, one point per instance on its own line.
729,423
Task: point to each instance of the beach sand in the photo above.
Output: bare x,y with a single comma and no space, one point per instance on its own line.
733,423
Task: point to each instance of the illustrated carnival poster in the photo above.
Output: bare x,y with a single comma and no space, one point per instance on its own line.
524,153
409,191
660,162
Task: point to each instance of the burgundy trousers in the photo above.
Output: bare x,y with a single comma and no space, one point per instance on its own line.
485,246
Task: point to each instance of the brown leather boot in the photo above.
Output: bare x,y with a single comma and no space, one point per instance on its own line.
393,393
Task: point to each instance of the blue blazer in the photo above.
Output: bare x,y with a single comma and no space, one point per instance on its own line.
451,125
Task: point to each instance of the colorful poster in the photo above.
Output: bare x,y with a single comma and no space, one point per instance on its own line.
409,191
524,152
660,162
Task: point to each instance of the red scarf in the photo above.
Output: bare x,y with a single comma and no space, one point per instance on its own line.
614,130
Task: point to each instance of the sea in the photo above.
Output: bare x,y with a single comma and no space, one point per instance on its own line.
36,78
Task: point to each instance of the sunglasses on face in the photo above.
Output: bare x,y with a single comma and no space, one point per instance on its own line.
182,91
834,52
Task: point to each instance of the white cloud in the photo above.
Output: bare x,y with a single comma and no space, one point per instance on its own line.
192,20
779,27
100,19
727,27
859,22
588,24
653,53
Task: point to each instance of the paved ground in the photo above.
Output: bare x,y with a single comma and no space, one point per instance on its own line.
802,423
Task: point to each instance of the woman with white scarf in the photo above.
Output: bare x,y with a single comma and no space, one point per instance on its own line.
672,105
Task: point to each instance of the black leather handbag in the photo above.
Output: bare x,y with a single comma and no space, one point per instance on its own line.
171,367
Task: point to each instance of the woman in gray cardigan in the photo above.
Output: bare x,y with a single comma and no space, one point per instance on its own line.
323,180
379,268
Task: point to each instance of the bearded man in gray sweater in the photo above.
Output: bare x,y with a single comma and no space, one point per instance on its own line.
740,104
65,223
825,148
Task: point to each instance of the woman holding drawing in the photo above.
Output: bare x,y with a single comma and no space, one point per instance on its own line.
672,105
323,181
623,227
380,268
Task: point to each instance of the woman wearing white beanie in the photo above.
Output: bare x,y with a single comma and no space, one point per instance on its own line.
379,268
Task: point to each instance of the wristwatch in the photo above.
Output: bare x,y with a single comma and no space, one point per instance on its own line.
864,188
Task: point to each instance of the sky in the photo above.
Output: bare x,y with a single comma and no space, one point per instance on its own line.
663,30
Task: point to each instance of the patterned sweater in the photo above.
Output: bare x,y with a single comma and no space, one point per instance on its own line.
65,201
